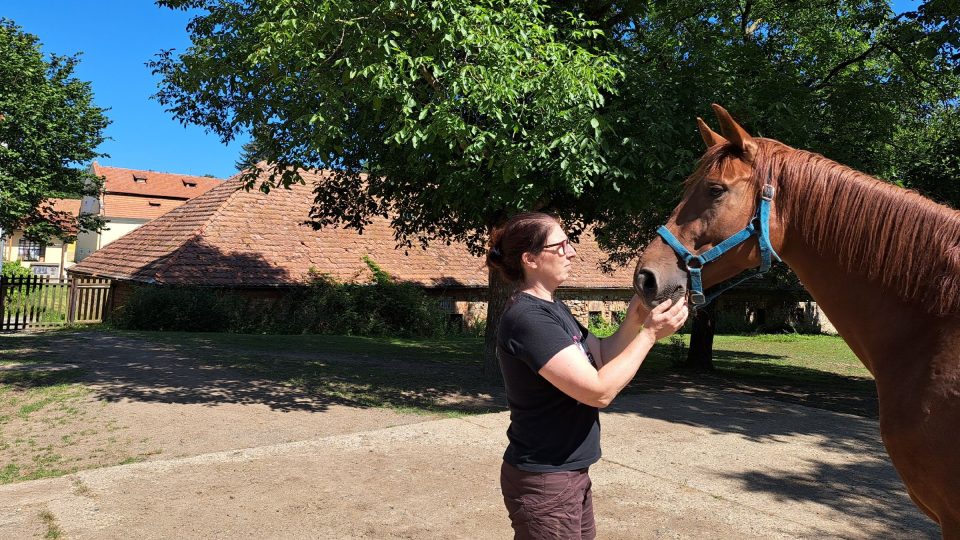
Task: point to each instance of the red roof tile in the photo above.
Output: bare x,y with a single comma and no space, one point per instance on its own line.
234,238
62,212
70,206
135,207
155,184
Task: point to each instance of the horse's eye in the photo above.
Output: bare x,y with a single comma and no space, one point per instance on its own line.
716,190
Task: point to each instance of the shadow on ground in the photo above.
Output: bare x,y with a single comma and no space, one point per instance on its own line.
118,367
864,484
121,367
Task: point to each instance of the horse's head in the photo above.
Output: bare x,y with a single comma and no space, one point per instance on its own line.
719,200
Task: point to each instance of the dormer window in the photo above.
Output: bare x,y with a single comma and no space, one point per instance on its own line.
153,203
139,179
188,183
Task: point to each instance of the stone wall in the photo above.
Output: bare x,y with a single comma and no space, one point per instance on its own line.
608,304
737,311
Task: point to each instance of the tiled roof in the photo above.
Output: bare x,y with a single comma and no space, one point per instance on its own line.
70,207
234,238
136,207
154,184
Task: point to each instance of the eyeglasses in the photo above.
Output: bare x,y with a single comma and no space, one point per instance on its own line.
564,245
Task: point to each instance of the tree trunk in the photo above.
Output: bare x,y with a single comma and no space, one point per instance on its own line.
498,293
700,353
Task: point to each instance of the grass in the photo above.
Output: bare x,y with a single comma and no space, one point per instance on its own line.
49,306
409,375
450,349
53,529
436,376
416,375
813,370
39,391
81,489
797,356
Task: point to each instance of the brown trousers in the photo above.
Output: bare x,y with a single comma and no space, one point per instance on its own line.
548,505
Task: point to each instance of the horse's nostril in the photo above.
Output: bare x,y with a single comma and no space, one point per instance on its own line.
645,282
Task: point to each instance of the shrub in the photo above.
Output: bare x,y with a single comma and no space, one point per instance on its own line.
385,308
191,309
15,269
601,328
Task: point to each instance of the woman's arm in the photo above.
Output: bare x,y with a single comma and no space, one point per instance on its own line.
569,372
611,346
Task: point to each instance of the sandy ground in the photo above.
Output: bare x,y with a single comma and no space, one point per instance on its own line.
224,457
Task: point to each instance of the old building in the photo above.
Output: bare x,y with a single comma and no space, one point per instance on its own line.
132,197
259,244
50,258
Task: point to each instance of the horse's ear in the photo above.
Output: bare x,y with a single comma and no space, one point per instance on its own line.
735,134
710,137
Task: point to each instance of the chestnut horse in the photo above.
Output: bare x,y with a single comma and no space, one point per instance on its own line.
882,262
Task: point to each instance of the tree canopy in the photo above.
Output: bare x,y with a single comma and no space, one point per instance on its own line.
448,115
49,127
847,79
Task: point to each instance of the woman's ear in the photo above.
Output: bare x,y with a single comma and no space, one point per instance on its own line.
529,259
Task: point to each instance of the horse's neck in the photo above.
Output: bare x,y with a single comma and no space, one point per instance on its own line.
872,319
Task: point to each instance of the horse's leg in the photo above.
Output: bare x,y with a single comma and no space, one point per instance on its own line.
921,506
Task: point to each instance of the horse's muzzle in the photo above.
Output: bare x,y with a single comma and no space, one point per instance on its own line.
645,284
653,289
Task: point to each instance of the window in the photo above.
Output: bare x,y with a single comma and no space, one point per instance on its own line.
139,179
153,203
189,184
31,250
455,322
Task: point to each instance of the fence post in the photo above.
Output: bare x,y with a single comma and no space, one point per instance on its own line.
3,302
72,305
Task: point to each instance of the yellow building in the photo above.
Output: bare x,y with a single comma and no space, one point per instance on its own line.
45,259
133,197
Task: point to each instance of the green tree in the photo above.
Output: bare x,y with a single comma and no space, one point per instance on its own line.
49,126
929,157
840,78
843,78
449,115
446,116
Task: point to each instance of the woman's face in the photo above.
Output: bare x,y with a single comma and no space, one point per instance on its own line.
553,264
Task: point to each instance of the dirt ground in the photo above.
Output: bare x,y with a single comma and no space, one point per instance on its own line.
170,447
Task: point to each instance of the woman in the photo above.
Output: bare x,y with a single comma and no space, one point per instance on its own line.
557,376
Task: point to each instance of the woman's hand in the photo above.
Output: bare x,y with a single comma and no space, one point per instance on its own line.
665,319
637,311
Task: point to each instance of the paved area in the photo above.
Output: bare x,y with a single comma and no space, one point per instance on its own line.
689,464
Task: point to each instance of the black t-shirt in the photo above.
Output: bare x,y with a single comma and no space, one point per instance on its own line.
549,430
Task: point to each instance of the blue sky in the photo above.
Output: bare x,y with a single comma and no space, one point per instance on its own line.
117,37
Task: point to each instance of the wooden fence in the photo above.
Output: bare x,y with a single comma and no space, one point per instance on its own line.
37,302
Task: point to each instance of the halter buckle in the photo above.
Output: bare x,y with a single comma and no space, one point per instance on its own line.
768,192
697,298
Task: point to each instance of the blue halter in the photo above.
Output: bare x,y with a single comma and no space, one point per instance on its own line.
759,226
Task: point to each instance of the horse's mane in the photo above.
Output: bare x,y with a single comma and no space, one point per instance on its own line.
888,234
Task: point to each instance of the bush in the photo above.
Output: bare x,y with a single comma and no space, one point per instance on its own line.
601,328
15,269
385,308
190,309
